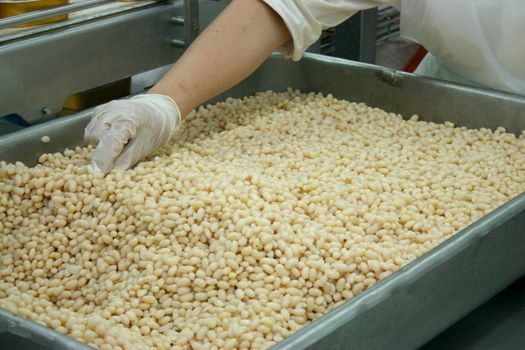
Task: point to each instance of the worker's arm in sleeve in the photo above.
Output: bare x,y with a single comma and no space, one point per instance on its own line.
306,19
231,48
242,37
228,50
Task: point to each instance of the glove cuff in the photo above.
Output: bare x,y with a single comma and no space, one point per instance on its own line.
165,103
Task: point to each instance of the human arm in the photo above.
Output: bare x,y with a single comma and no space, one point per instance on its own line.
226,52
231,48
242,37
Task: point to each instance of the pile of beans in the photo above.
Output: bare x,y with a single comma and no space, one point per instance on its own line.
262,215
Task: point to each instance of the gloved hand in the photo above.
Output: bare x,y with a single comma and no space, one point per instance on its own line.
126,131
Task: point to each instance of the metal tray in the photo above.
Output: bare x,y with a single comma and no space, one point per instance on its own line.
419,301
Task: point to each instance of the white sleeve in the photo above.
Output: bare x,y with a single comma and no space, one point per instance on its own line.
305,19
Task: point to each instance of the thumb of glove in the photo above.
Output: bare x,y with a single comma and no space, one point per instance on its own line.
110,145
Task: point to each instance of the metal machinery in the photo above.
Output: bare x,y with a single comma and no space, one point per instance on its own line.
101,42
107,41
357,37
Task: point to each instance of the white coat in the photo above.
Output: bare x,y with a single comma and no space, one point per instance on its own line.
478,42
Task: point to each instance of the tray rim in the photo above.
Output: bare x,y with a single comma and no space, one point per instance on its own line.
323,326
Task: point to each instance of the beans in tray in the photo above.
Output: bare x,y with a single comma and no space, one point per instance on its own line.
262,215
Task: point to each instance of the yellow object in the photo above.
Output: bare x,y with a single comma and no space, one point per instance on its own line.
15,8
98,95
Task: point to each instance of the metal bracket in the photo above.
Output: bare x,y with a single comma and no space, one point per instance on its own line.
355,38
190,21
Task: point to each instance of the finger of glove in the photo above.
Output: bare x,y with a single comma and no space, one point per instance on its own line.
134,151
97,126
147,140
104,117
110,146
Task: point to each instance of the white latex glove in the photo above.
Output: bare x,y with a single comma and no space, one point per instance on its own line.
126,131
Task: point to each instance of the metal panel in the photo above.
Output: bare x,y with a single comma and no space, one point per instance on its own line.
82,57
497,324
388,23
354,39
77,16
423,298
38,73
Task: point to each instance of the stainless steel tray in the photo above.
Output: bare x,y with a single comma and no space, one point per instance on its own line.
419,301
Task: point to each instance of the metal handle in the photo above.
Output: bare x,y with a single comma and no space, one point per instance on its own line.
190,21
55,11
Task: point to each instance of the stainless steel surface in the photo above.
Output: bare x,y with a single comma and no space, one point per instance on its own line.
428,295
18,333
388,23
75,18
178,20
497,324
190,22
55,11
42,71
354,39
425,297
392,90
82,57
367,36
29,141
